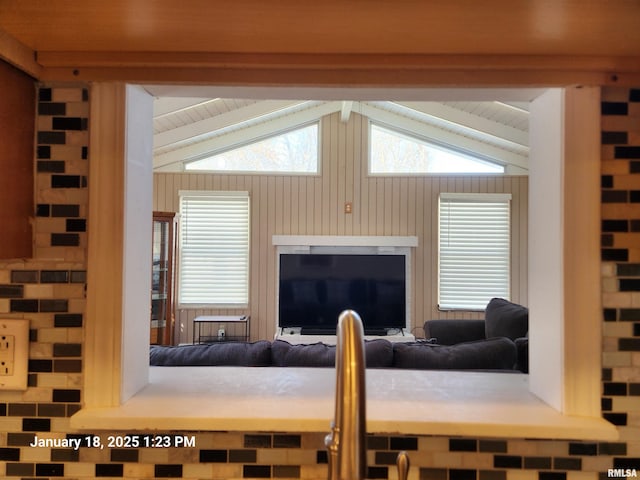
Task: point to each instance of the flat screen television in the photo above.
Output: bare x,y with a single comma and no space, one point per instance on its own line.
315,288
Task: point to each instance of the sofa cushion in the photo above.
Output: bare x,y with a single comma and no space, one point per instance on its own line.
241,354
452,331
378,354
506,319
491,354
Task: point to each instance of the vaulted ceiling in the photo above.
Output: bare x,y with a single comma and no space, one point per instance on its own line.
186,128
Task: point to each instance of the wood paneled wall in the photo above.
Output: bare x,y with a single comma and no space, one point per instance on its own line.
315,205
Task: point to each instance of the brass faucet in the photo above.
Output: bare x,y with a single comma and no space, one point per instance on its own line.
347,442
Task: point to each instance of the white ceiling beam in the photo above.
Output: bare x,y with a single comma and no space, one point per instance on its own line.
169,105
475,125
204,127
172,160
345,113
443,137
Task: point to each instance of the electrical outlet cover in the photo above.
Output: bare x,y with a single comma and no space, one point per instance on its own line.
14,353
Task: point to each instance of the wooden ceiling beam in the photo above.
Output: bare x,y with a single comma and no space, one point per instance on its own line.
19,55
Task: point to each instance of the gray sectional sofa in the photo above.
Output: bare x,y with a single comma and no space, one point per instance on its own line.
493,344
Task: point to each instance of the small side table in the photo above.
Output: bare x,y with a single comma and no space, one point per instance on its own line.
220,319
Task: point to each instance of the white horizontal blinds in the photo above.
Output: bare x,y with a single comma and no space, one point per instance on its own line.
214,248
474,247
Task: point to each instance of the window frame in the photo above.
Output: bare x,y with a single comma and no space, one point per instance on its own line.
183,194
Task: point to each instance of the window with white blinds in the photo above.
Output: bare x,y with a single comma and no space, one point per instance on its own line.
474,250
214,248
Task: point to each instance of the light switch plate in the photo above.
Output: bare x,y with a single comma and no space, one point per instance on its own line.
14,354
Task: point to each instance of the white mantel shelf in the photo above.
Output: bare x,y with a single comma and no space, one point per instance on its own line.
344,241
412,402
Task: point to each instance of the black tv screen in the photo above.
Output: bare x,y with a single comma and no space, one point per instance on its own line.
314,289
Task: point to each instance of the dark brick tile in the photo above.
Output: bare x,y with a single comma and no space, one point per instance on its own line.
15,439
627,462
21,409
403,443
19,469
67,366
614,196
377,473
52,410
612,448
55,108
54,276
43,152
552,476
52,138
377,442
36,425
65,455
256,471
615,226
494,446
385,458
24,276
634,167
286,471
615,388
62,210
66,181
492,475
433,473
462,474
76,225
109,470
634,95
43,210
168,471
44,94
78,276
606,240
610,138
629,344
67,350
66,395
11,291
619,419
629,285
507,461
286,441
50,166
23,305
462,445
126,455
622,152
40,365
214,456
69,123
66,320
614,108
65,240
243,456
615,255
563,463
54,305
9,454
630,314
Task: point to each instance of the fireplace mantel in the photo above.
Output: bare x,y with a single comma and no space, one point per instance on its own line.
344,241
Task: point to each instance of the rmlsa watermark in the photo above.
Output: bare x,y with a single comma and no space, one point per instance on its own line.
622,473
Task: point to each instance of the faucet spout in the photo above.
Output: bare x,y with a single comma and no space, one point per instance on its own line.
346,443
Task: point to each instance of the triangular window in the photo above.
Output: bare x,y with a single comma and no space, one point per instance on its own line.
393,152
294,151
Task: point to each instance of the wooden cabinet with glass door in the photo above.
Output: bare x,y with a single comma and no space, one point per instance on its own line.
162,284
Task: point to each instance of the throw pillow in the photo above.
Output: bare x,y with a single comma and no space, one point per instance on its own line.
503,318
